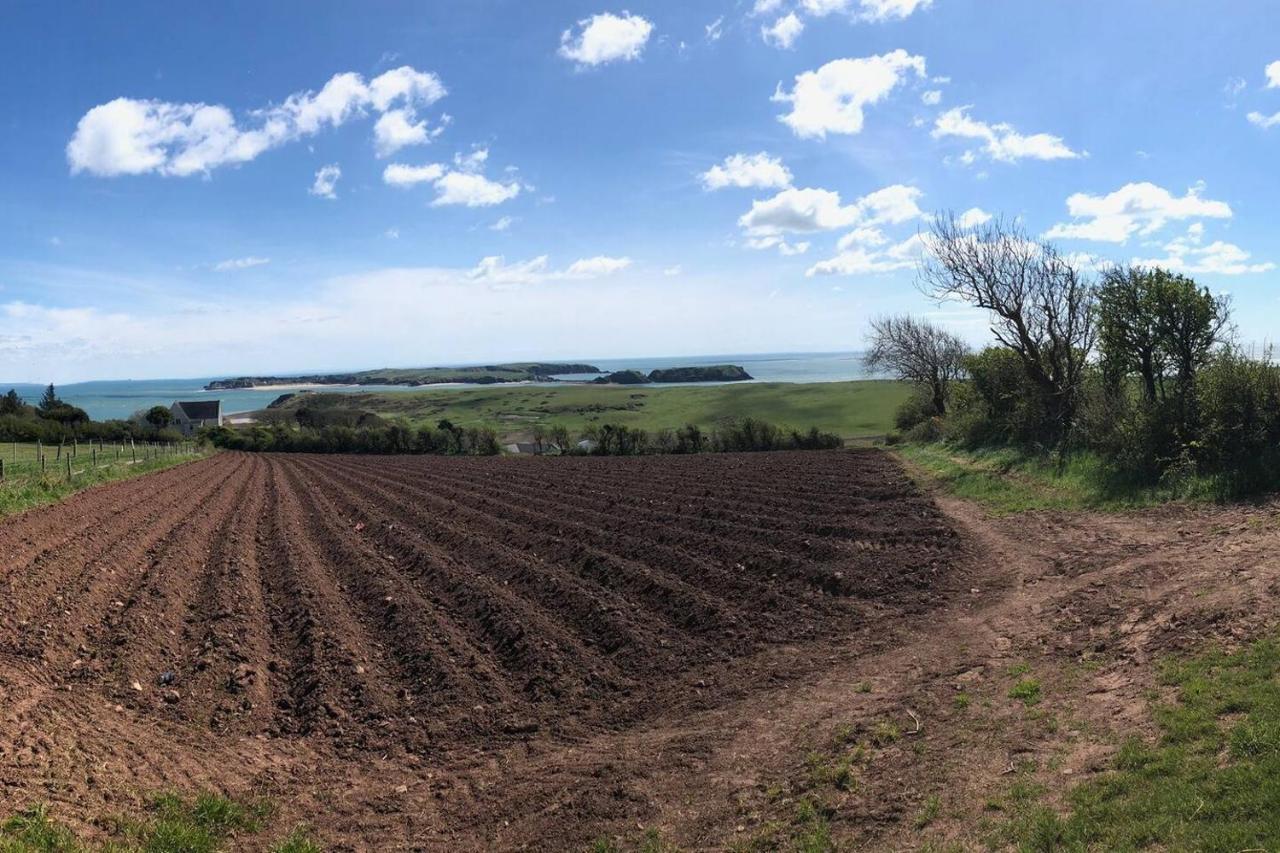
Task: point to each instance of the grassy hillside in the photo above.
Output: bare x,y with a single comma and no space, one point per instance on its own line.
849,409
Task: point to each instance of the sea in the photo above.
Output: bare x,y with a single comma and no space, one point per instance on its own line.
107,399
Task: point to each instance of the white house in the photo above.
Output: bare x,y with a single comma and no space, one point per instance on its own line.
190,417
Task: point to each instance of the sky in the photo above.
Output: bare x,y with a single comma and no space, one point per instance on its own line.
234,188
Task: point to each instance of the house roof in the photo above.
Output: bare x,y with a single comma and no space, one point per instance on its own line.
201,410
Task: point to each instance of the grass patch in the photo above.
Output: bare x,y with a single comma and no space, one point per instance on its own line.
1027,690
25,488
1210,782
1007,481
203,823
861,409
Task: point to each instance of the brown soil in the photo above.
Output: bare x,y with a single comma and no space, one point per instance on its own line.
424,653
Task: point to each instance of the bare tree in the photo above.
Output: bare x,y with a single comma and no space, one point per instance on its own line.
1041,304
917,351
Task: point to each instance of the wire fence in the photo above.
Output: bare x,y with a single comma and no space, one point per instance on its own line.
24,461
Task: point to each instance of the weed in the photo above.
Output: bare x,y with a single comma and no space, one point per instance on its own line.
1027,689
929,813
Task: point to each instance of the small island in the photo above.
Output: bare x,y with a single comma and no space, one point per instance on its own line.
416,376
706,373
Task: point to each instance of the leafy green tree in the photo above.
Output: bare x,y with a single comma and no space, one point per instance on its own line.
1128,339
11,403
1155,324
158,416
49,400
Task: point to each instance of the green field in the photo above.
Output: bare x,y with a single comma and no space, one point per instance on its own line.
850,409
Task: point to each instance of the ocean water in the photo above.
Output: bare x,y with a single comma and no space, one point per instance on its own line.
121,398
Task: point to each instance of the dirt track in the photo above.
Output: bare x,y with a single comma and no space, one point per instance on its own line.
434,652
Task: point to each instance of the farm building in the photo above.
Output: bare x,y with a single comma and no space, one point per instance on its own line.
189,417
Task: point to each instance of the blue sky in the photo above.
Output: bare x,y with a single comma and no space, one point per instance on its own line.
294,187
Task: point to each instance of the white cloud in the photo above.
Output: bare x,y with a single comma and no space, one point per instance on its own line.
461,186
715,29
392,233
673,271
764,7
866,236
326,181
472,190
799,211
240,263
1002,142
931,98
867,10
495,270
133,137
747,170
605,38
1185,255
973,217
1264,121
600,265
1273,75
502,224
831,99
403,175
783,32
855,259
397,129
1136,208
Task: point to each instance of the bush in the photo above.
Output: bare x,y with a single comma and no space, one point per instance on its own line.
916,409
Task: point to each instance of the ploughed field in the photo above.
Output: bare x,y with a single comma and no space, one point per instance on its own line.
259,618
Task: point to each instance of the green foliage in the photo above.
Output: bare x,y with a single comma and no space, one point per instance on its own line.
158,416
1027,690
744,435
203,823
445,439
1210,782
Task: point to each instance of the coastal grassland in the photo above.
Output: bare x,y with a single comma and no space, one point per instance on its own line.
25,486
852,410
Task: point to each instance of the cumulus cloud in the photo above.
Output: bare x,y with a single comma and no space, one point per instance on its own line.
1001,141
747,170
1136,208
1185,254
800,211
783,32
404,175
1264,121
606,37
472,190
1273,75
396,129
831,99
462,185
973,217
326,181
240,263
857,258
503,224
931,98
133,137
